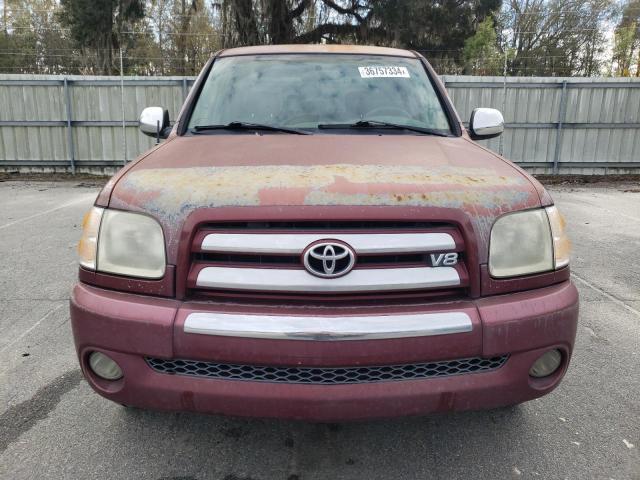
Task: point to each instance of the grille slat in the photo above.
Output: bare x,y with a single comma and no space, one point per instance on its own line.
326,375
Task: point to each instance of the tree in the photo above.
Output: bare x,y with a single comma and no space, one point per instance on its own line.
177,36
32,42
159,17
627,40
438,27
100,24
549,37
624,48
481,54
193,36
249,22
541,37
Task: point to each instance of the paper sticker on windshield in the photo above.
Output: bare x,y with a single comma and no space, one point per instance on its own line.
384,72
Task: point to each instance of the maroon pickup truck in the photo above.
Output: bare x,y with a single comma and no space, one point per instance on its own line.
320,238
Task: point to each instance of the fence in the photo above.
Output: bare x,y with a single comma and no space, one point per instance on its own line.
88,124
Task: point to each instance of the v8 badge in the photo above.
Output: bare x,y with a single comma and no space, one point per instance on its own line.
444,259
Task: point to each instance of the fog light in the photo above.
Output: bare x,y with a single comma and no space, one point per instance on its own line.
546,364
104,367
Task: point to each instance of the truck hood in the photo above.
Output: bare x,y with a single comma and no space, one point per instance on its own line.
187,173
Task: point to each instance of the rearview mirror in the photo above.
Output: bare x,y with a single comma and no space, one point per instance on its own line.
485,123
154,121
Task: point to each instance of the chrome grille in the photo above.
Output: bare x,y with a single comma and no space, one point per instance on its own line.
267,257
326,375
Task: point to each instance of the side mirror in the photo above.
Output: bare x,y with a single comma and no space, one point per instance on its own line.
485,123
154,121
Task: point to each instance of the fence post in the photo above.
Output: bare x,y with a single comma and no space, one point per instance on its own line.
124,121
561,118
67,101
504,100
184,88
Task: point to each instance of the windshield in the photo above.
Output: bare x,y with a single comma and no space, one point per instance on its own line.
305,91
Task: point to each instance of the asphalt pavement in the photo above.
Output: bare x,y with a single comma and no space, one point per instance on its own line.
52,425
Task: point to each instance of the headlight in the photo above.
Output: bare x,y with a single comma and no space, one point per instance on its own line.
520,244
561,243
128,243
528,242
88,246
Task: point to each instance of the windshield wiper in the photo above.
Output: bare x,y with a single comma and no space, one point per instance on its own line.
378,124
248,126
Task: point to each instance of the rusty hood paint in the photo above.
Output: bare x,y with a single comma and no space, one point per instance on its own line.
207,171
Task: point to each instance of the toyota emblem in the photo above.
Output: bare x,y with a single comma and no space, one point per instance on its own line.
329,259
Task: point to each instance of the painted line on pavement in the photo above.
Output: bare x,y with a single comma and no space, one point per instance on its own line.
607,295
30,329
35,215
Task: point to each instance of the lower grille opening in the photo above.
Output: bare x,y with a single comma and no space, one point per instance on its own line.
326,375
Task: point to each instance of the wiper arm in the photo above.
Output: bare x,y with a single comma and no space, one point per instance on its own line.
378,124
248,126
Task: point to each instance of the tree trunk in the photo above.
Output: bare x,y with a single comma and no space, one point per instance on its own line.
279,22
245,22
103,54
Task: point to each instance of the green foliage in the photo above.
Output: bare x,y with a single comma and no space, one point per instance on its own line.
626,47
481,54
31,42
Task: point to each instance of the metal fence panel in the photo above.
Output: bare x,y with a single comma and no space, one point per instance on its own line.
564,125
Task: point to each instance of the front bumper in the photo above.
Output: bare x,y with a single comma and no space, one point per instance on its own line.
130,327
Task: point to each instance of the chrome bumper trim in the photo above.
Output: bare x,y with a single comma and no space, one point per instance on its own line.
327,328
294,244
298,280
